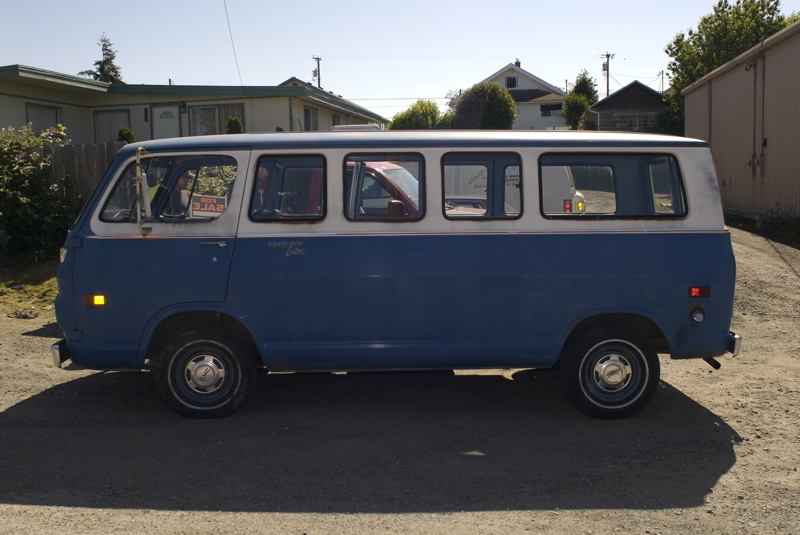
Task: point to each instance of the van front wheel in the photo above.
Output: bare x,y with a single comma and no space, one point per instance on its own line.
609,372
205,372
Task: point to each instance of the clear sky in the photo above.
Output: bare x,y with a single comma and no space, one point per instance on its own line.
382,55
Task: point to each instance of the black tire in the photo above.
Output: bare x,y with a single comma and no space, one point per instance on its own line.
609,371
205,372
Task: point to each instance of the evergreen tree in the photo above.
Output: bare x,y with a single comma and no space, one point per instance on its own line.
105,70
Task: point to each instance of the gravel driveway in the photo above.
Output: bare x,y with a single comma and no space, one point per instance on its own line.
489,452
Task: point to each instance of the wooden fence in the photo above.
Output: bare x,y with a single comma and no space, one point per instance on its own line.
83,166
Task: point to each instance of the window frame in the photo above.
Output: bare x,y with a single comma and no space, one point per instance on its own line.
32,107
219,121
175,165
498,180
98,113
622,185
283,218
388,157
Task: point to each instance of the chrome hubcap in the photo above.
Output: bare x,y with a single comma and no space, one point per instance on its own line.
612,373
204,374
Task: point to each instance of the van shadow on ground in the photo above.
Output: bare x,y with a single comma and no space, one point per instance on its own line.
363,443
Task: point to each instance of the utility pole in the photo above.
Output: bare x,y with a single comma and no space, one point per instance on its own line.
317,73
607,70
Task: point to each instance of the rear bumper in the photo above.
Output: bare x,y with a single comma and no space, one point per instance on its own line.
735,345
60,354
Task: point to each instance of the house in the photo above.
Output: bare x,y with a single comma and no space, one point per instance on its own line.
94,111
749,110
539,104
634,108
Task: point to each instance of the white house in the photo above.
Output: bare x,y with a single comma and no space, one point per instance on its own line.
94,111
539,104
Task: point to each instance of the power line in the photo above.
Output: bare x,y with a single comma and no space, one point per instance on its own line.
233,46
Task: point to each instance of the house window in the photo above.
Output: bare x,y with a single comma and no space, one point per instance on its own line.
511,82
207,120
336,120
42,117
551,110
108,123
311,119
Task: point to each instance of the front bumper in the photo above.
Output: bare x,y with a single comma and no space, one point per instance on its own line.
60,354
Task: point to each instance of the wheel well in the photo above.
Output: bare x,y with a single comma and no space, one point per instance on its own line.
647,328
179,321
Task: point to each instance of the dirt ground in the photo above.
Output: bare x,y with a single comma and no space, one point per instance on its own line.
476,453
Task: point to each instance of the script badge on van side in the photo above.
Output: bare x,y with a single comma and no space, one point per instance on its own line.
293,248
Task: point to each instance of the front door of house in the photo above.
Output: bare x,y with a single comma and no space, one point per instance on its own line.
166,122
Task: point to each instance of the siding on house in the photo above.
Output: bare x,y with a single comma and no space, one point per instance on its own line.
749,110
530,94
92,111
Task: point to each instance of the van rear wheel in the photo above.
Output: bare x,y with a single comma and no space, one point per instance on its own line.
205,371
610,371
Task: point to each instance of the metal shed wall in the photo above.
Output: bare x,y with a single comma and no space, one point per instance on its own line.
749,110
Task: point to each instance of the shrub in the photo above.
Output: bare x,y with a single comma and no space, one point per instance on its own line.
34,212
486,106
234,126
126,134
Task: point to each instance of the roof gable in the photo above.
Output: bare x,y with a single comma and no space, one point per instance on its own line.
635,94
513,69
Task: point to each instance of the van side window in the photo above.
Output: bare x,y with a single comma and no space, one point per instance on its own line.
630,185
482,185
179,189
384,187
288,188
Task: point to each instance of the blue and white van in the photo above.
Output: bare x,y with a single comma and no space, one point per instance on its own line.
207,258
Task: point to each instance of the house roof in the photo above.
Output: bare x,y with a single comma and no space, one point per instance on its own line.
42,79
790,31
634,93
293,87
522,72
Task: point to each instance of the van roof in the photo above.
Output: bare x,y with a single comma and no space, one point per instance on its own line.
421,138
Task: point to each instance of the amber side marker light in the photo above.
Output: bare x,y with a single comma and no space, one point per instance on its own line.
700,291
94,300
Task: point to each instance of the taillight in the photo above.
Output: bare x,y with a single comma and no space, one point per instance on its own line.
567,206
700,291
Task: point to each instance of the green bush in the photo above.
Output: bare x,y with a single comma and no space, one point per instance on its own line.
422,115
34,212
234,126
485,106
126,134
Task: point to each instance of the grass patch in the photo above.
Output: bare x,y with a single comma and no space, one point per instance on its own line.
27,289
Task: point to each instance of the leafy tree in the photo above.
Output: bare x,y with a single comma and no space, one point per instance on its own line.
105,70
720,36
34,211
422,115
486,106
126,134
234,126
575,107
446,120
586,86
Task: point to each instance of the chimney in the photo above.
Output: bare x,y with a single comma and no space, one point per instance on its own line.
517,63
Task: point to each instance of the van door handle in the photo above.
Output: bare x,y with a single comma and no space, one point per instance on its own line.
220,244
